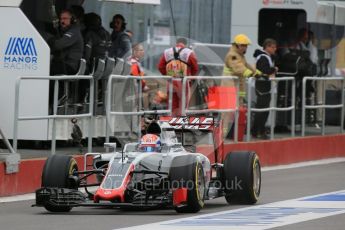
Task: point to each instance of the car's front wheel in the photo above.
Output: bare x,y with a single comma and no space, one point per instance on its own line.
57,173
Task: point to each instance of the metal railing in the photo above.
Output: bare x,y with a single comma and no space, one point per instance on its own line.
273,108
11,158
323,106
139,111
137,83
7,143
54,116
186,111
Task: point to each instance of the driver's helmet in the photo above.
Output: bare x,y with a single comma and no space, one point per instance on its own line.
150,143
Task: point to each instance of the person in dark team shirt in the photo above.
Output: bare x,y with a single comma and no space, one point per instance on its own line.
265,64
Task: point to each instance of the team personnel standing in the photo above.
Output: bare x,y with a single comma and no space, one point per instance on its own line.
121,47
97,43
134,60
309,51
79,13
178,61
138,54
97,40
264,63
66,50
67,47
137,70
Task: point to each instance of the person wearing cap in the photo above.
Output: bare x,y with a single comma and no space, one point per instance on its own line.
236,64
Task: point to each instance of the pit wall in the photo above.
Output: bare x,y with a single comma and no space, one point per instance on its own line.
28,179
288,151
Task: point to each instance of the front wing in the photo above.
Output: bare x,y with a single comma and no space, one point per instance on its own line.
73,198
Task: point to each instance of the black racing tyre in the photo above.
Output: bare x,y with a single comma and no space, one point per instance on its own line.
187,172
56,172
242,177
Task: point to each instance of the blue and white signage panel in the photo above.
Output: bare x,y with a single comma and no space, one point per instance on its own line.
261,217
23,52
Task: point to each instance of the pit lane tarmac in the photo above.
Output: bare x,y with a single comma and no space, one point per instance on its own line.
307,197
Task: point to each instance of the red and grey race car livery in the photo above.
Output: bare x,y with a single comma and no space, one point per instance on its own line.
161,170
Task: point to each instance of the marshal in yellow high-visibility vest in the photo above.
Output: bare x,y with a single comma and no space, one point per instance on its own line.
236,64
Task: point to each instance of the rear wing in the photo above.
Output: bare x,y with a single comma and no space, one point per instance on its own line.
219,100
193,123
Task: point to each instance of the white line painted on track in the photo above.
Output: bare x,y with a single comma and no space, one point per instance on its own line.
31,196
305,164
260,217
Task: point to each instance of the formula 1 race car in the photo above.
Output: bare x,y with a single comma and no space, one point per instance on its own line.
156,172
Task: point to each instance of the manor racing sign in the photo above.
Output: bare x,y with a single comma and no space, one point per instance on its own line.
20,54
199,123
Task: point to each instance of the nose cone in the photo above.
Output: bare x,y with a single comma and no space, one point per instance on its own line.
115,183
110,195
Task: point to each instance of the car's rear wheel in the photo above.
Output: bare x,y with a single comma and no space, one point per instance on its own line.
57,173
242,177
187,172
